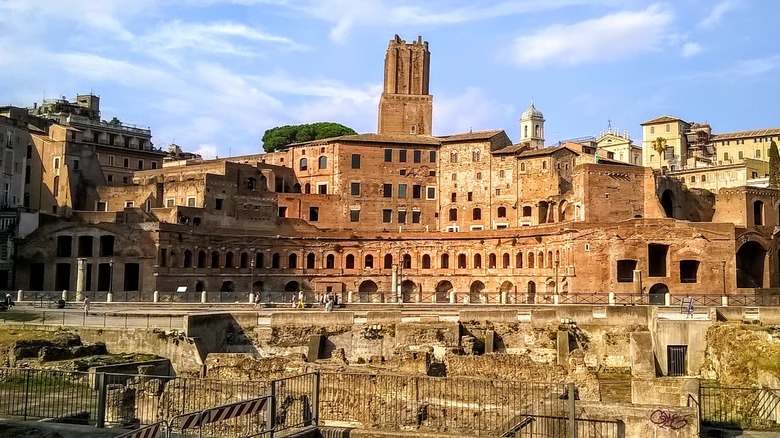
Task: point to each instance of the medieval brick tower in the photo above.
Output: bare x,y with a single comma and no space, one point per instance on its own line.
405,106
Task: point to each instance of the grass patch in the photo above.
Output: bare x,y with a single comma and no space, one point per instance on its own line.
10,335
18,316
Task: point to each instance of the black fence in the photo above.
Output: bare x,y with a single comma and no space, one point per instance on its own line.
740,408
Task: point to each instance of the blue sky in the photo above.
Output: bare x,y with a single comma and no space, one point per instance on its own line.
213,75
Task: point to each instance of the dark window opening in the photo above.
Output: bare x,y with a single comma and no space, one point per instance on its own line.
625,271
689,271
656,255
64,246
85,246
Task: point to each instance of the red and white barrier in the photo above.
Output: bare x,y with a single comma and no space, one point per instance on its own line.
151,431
220,413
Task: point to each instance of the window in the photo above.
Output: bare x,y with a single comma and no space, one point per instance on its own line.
354,189
330,261
369,262
758,153
64,244
432,156
304,164
476,214
430,192
402,172
725,156
76,164
498,192
190,201
140,165
387,215
689,271
477,261
453,157
401,216
416,191
56,187
314,214
416,216
402,156
501,173
218,203
417,156
426,262
349,262
129,204
27,176
387,190
445,261
625,271
388,261
758,213
354,215
656,255
110,160
479,175
322,188
668,127
323,162
470,196
522,167
475,155
402,190
125,162
501,212
652,129
453,214
741,155
56,162
492,261
170,202
356,161
461,261
453,197
454,176
282,211
527,211
388,155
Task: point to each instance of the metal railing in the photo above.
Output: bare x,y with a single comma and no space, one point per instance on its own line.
443,405
34,394
741,408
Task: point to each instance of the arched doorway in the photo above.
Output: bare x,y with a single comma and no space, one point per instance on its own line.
506,289
291,286
199,286
750,265
657,294
475,292
227,286
667,202
443,292
531,293
367,292
408,291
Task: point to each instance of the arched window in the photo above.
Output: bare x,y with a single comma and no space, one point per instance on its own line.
275,260
530,260
310,259
476,214
323,162
525,131
407,261
244,260
307,188
453,214
330,261
259,260
538,131
540,259
522,167
388,261
56,187
201,259
492,261
368,261
544,165
475,155
758,213
187,258
292,261
519,260
215,259
549,259
445,261
477,261
426,261
461,261
304,164
229,259
453,157
501,212
505,260
349,263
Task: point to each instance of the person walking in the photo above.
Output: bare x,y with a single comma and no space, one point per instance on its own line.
689,307
86,306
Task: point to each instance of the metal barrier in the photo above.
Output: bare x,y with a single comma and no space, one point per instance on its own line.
247,418
741,408
35,394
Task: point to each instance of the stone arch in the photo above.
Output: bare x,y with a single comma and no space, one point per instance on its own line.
292,286
531,293
667,202
506,288
200,286
367,292
201,259
657,294
750,265
227,286
443,289
563,211
187,258
408,291
549,286
475,291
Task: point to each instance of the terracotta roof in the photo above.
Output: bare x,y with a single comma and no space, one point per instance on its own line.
662,119
746,134
511,149
546,151
374,138
479,135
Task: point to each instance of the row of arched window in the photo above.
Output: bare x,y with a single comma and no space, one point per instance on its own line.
322,163
243,260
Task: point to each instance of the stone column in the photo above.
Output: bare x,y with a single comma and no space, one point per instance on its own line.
637,281
203,298
394,281
19,295
81,278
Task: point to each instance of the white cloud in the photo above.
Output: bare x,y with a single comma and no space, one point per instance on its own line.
717,13
690,49
470,111
612,36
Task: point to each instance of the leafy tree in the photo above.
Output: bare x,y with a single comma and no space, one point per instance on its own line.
774,166
660,146
277,138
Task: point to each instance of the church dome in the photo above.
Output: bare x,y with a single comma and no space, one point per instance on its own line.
532,113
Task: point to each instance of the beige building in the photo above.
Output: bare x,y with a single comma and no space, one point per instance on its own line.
614,145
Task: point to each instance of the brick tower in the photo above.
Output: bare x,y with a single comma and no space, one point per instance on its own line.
405,106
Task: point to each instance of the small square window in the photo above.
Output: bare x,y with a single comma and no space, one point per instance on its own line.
416,217
218,204
355,189
387,216
354,215
401,216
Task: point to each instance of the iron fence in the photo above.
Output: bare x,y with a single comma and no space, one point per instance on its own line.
441,405
740,408
35,394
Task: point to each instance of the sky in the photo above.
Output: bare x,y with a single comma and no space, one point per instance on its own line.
213,75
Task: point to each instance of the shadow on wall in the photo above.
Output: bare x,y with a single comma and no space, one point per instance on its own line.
679,202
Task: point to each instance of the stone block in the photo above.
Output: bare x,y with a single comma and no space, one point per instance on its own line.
315,347
642,355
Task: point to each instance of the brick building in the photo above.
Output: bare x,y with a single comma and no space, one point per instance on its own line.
403,214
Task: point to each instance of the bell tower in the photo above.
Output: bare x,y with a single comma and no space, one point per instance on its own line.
405,106
532,127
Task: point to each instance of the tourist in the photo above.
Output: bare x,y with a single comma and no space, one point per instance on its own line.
86,306
328,302
689,307
9,301
257,301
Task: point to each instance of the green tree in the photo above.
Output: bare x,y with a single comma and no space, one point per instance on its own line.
774,166
660,146
277,138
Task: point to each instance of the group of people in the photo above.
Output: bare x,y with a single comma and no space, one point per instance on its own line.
328,300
